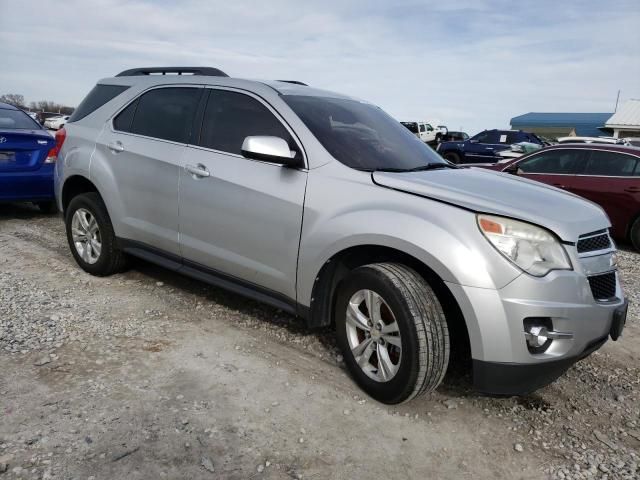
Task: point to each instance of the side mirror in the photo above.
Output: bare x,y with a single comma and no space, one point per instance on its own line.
270,149
512,169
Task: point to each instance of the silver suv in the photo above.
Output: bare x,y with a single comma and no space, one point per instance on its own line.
326,207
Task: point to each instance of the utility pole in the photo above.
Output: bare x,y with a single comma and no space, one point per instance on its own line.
617,99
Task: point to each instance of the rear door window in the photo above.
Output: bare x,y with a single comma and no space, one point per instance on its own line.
230,117
97,97
559,162
422,128
166,113
610,164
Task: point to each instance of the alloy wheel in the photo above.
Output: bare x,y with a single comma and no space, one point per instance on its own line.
86,235
373,335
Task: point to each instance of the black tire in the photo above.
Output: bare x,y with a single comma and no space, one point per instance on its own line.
634,234
47,207
453,157
111,259
422,325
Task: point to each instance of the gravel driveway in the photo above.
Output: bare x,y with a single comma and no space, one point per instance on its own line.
148,375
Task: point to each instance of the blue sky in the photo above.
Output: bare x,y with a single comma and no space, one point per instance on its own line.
469,64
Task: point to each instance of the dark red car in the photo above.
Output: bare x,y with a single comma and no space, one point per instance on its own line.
608,175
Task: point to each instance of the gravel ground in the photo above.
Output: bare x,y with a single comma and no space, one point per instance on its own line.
147,374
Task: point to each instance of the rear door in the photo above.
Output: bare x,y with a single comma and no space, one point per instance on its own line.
242,217
143,151
612,180
554,167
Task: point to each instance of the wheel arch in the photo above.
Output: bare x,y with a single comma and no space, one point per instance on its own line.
335,270
74,186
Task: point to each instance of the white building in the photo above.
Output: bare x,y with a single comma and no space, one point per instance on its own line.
626,121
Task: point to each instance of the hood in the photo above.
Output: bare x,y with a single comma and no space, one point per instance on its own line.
486,191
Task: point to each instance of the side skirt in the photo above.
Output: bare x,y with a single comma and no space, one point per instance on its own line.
213,277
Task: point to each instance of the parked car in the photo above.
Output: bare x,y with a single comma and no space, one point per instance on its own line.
452,136
632,141
424,131
56,123
406,254
27,153
485,146
608,175
43,116
607,140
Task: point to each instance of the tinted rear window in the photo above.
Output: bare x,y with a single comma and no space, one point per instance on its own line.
166,113
97,97
16,119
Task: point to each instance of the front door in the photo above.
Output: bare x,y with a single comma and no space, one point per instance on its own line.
557,167
238,216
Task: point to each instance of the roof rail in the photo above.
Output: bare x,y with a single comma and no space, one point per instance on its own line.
209,71
297,82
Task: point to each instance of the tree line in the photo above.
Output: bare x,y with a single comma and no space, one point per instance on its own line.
17,100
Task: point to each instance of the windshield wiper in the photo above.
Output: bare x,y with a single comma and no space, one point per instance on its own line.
421,168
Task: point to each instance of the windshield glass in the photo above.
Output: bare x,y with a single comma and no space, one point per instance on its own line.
361,135
16,119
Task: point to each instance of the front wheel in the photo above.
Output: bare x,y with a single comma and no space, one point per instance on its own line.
91,236
392,332
452,157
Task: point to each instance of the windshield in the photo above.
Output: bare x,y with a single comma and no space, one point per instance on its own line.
361,135
16,119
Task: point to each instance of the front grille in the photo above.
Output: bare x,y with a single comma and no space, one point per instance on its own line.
591,244
603,287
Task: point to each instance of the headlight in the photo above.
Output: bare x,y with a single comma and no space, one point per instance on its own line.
533,249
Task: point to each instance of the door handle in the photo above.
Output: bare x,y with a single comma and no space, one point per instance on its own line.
116,147
632,190
199,170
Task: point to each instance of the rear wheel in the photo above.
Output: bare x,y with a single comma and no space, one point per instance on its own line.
452,157
634,234
91,236
392,332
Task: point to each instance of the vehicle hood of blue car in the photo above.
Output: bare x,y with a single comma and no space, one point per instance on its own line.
487,191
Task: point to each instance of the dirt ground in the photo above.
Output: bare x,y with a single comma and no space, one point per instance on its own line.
148,375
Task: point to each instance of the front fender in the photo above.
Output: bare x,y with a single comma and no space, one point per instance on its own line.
443,237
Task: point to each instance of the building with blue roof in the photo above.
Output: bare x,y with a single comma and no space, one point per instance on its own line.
554,125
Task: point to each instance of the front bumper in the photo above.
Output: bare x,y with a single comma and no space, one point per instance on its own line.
497,320
497,378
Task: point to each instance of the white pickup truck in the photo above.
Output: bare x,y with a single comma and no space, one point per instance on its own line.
424,131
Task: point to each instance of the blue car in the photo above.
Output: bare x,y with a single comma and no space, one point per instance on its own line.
27,157
485,146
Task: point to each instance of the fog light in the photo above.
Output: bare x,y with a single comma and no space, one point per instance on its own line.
539,334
